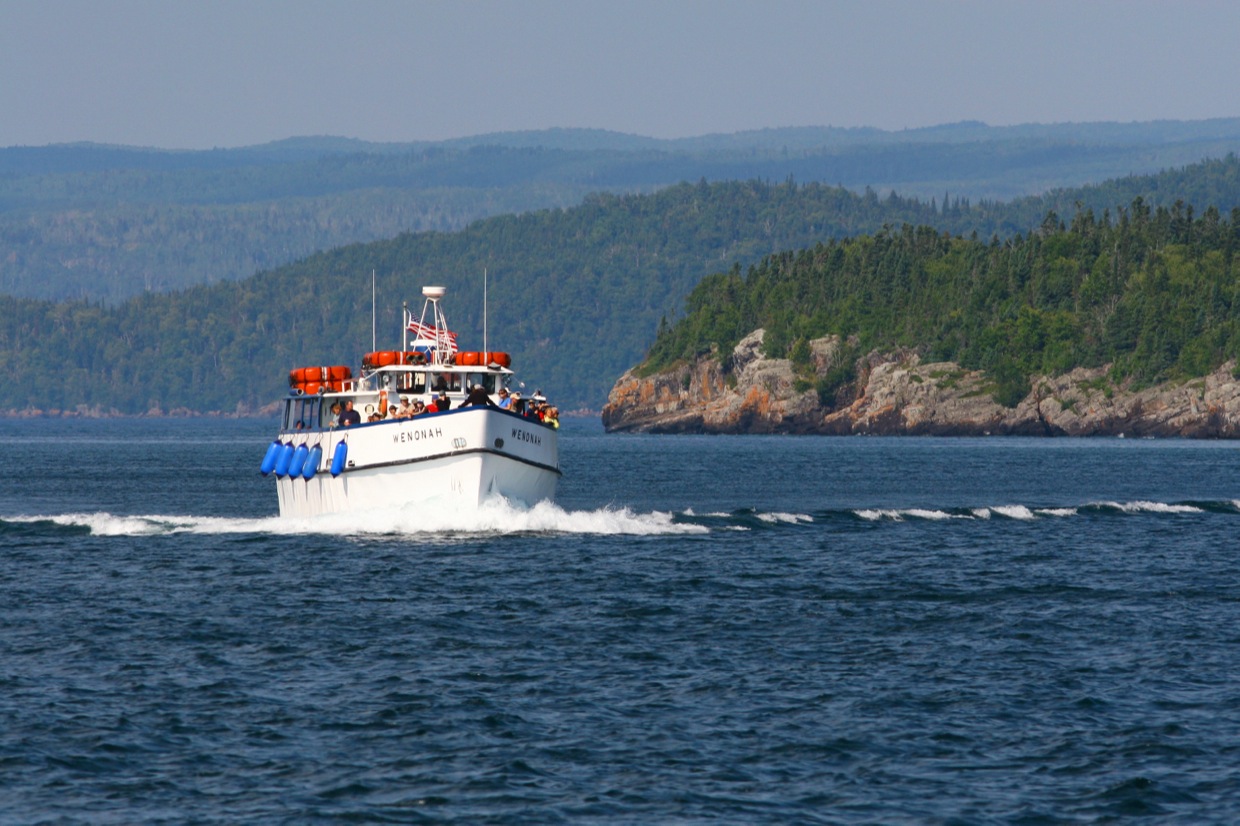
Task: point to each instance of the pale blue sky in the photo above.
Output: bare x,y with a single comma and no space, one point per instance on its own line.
225,73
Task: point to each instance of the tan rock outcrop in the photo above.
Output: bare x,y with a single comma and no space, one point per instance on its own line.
897,394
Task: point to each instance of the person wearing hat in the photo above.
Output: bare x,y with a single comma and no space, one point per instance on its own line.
478,397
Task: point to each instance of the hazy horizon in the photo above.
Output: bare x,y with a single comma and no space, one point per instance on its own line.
233,74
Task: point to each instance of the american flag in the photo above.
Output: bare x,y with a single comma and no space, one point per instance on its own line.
446,341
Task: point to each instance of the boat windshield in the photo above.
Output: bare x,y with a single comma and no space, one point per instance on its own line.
303,413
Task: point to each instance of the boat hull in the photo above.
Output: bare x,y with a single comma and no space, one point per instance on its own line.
454,459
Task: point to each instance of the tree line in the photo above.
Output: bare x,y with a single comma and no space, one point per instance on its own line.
1150,291
577,294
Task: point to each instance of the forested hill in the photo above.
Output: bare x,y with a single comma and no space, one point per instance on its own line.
576,294
1154,293
105,222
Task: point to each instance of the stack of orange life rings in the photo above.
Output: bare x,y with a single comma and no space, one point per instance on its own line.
311,380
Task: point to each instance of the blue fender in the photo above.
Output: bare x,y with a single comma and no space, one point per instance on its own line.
339,458
311,466
269,461
299,459
282,461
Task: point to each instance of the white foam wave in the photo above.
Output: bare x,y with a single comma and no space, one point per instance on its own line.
922,513
106,524
1014,512
1061,512
787,518
875,514
1142,506
495,517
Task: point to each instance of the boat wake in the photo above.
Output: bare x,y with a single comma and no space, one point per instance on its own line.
1024,513
491,518
500,518
750,519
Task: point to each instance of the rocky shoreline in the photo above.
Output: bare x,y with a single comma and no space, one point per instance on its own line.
896,394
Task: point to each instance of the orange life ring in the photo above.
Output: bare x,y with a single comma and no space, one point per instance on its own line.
502,359
381,358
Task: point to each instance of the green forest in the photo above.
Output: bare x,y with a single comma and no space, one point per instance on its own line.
577,295
1152,292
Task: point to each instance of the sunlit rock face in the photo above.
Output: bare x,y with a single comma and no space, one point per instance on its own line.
896,394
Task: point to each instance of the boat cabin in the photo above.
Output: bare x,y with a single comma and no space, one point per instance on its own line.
308,406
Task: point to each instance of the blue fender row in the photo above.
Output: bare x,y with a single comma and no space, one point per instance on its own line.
285,459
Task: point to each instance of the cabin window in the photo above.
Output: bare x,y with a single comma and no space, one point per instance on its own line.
451,382
301,413
304,413
412,383
487,380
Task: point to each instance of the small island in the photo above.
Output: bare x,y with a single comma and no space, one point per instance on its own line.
1124,324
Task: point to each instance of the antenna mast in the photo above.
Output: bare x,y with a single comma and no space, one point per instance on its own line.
441,343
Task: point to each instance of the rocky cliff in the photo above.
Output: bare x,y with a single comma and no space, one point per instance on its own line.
896,394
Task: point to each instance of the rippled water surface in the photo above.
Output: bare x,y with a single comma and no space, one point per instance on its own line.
739,630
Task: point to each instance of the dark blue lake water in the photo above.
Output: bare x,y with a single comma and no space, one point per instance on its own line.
739,630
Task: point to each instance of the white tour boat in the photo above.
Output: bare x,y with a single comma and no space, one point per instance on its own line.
456,457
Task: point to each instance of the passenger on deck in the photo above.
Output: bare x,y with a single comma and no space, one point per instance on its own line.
478,397
505,401
552,417
417,408
349,416
443,402
335,420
